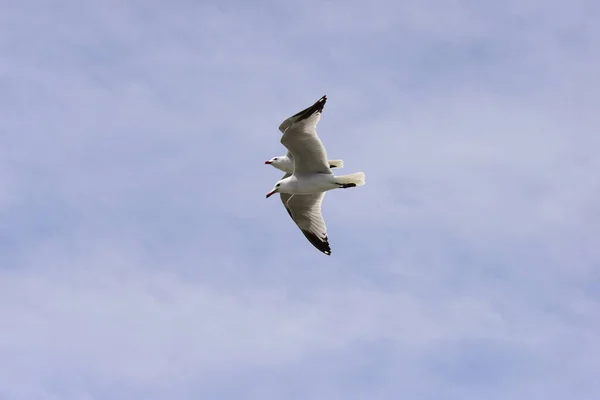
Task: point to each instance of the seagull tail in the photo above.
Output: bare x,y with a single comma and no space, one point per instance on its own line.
336,163
357,179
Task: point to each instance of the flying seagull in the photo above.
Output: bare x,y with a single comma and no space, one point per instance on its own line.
286,163
302,190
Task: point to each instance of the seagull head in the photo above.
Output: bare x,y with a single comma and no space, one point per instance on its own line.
282,163
275,189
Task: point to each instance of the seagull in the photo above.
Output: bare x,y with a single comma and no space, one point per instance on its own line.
303,189
286,163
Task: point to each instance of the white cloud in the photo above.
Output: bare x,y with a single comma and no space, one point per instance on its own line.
142,261
114,319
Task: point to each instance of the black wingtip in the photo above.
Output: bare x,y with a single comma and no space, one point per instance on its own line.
321,103
307,112
321,244
315,108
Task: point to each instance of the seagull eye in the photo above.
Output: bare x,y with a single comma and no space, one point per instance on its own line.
276,159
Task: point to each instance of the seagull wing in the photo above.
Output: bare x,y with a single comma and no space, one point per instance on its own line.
305,210
294,118
300,138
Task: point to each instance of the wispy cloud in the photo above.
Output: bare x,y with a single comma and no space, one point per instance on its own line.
139,258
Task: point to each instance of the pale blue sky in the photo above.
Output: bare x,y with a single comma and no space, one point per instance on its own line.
139,258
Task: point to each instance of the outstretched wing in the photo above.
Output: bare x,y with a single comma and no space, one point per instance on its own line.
296,117
305,210
300,138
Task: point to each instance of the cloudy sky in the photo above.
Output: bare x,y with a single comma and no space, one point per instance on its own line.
139,258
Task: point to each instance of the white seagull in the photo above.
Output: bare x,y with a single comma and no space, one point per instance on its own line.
286,163
302,190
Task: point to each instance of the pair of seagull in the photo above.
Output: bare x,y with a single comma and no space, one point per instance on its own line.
308,174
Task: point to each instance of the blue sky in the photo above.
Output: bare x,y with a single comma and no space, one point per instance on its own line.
139,257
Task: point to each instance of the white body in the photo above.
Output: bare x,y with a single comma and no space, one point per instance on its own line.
286,163
308,184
